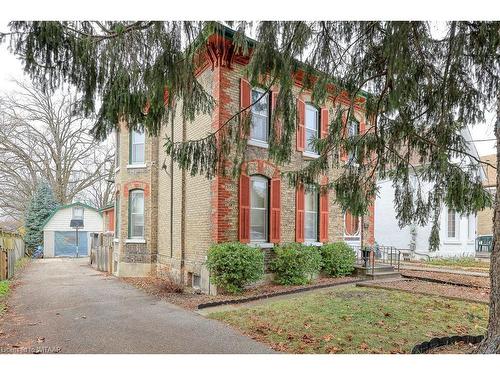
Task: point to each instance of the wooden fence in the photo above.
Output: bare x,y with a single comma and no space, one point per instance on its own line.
101,252
11,250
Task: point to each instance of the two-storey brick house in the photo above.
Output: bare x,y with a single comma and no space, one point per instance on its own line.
166,219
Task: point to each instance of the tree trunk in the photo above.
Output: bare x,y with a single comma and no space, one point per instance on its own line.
491,343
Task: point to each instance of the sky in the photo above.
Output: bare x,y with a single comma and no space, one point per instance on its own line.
11,68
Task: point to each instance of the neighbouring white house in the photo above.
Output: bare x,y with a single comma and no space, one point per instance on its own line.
457,233
67,224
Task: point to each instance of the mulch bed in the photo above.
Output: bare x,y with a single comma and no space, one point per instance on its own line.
450,291
190,299
462,280
457,348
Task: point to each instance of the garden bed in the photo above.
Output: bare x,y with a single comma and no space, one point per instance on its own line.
481,295
450,278
190,299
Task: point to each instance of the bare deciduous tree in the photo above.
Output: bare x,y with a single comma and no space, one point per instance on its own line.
42,139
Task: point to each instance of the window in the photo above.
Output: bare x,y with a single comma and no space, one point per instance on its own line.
351,225
259,198
117,153
136,214
260,116
451,226
312,127
117,214
471,227
353,131
78,213
311,203
137,147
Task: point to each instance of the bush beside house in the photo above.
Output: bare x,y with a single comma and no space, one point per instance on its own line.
338,259
296,263
233,265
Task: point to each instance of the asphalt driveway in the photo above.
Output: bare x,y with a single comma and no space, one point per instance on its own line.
63,305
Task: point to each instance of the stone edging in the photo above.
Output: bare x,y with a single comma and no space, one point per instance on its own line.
270,295
442,341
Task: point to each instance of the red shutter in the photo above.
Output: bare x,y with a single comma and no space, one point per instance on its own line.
301,116
244,209
277,123
362,127
275,224
323,213
325,122
245,99
299,213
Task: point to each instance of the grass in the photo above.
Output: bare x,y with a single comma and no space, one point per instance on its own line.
4,290
21,263
466,262
356,320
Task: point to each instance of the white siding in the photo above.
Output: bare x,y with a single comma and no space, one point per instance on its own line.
388,233
60,221
48,243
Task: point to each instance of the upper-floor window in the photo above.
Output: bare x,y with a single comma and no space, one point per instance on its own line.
117,152
311,203
259,213
312,127
137,140
353,131
78,213
136,214
452,224
259,130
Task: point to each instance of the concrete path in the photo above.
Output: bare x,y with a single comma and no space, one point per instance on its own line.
63,305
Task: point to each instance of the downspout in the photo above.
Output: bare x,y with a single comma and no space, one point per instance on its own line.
172,192
183,210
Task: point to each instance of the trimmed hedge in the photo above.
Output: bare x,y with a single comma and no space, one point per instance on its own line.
233,265
338,259
295,264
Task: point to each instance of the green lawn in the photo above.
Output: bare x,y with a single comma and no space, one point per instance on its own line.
458,262
356,320
4,290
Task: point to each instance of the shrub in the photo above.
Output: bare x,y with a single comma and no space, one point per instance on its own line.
295,263
232,265
338,259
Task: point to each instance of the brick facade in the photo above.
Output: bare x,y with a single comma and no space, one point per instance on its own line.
184,214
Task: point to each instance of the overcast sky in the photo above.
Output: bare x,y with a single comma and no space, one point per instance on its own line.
11,68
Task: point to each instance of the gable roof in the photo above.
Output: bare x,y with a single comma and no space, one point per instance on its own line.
79,204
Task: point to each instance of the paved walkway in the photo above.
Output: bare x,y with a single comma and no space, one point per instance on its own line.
63,303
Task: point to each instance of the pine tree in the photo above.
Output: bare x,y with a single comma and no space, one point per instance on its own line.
420,92
41,206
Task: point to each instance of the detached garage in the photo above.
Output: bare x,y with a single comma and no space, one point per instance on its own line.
66,232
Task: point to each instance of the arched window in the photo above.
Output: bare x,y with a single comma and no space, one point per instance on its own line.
136,214
351,225
311,215
259,208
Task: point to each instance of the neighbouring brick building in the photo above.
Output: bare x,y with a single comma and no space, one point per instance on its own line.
167,219
485,217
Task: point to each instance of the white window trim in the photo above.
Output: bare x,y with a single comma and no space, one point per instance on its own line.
306,152
313,243
136,166
266,208
73,213
456,238
135,240
132,144
257,143
262,245
318,225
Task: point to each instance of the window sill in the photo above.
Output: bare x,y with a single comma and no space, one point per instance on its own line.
452,241
262,245
313,243
310,155
136,166
135,240
257,143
